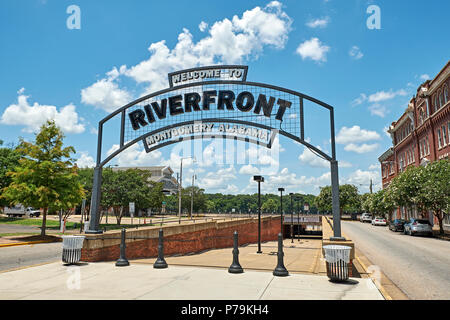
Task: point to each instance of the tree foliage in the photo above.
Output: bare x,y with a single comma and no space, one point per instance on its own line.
45,177
349,199
9,159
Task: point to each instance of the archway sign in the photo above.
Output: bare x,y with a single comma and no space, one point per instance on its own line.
213,102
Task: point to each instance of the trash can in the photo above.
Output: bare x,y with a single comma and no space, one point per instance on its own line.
337,260
72,249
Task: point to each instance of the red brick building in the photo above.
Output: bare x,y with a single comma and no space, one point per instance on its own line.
420,135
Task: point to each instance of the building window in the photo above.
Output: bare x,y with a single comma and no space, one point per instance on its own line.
444,136
441,99
413,156
448,126
445,94
439,138
428,109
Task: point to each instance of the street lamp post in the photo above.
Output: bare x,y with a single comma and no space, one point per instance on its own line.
259,179
292,220
192,194
298,217
180,187
281,209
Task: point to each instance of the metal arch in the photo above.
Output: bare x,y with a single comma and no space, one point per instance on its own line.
212,82
94,223
216,120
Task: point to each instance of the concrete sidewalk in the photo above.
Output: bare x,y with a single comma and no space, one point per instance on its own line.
202,276
102,280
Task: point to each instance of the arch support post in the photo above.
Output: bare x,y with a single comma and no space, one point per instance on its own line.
337,236
94,219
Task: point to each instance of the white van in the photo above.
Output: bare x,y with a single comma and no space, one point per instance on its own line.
20,211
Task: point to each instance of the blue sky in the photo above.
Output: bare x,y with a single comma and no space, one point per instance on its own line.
321,48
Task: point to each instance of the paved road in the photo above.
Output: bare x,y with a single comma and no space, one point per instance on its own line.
419,266
26,255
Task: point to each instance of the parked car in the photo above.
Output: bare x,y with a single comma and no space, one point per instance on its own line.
366,217
418,226
379,221
396,225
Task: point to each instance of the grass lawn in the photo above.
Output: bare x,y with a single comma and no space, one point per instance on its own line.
50,224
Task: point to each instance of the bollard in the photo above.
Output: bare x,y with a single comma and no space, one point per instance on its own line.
235,266
122,262
160,263
280,270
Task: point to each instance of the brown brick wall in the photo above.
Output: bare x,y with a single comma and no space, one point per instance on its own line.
209,235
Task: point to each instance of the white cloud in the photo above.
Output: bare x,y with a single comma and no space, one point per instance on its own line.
228,41
85,160
313,49
355,53
249,169
378,110
378,97
356,134
134,156
318,23
203,26
33,116
383,95
424,77
361,179
313,160
362,97
363,148
216,180
374,166
105,93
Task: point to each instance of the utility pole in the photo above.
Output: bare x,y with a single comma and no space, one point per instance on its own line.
192,195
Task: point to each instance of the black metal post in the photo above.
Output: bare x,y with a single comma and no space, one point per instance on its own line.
280,269
292,220
259,217
298,219
235,266
122,262
281,209
160,263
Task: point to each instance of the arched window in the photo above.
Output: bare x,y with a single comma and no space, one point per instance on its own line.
441,99
421,116
445,94
436,105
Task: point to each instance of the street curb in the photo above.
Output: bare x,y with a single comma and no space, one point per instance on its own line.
26,243
379,286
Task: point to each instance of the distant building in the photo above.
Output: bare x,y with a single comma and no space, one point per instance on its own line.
421,135
159,174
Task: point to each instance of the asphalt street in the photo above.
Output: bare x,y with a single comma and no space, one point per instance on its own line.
27,255
419,266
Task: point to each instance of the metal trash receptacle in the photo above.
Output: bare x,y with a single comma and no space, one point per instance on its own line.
72,249
337,260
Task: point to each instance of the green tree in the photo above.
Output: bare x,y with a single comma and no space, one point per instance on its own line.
404,189
434,193
86,178
121,187
270,205
348,198
9,159
45,177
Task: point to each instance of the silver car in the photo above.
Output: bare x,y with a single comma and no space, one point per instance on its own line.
418,226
